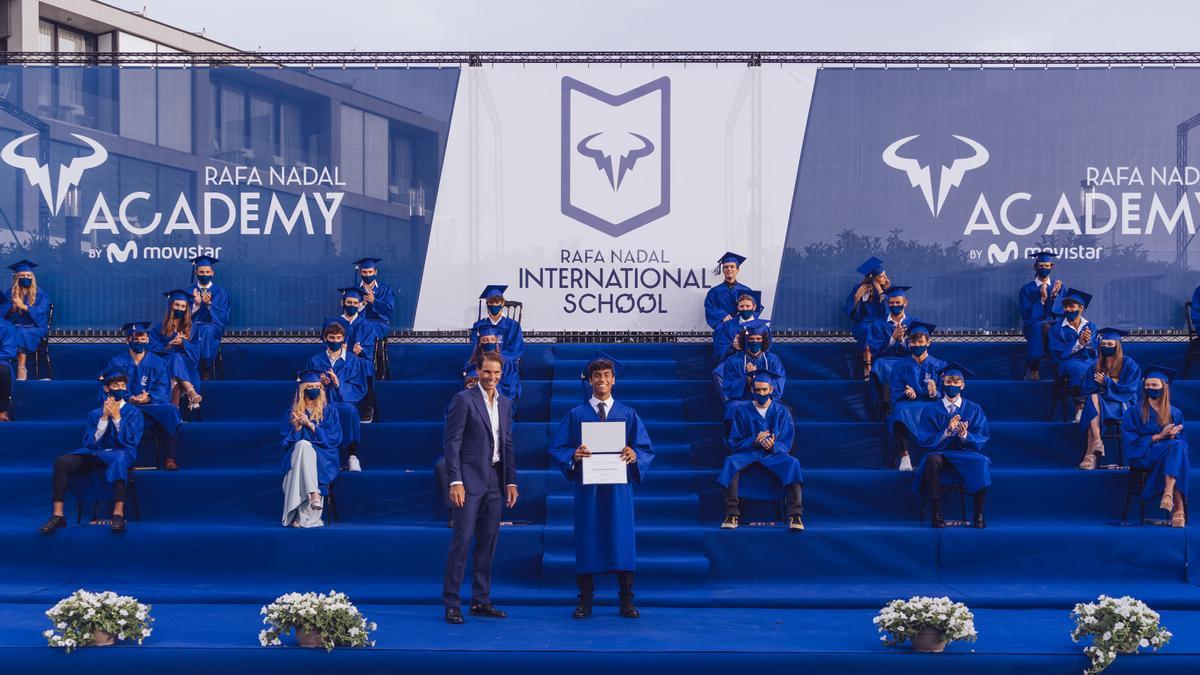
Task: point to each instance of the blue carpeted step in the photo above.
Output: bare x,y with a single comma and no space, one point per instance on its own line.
641,369
649,509
651,411
559,570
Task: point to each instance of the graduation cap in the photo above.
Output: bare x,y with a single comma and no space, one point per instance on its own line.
22,266
177,294
731,257
492,291
918,327
136,327
308,376
1112,334
487,330
1076,295
872,266
598,355
1160,372
470,372
367,263
351,292
205,260
897,291
107,375
1043,256
955,369
757,327
764,375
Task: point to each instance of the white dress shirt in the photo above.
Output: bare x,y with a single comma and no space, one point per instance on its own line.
334,357
595,403
1082,322
954,407
763,410
894,321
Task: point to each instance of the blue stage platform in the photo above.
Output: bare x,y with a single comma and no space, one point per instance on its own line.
209,544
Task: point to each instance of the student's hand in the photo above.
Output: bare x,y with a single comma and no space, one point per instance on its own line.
458,495
931,388
1057,286
953,426
357,349
332,377
761,438
107,409
1045,295
750,367
863,289
143,397
898,333
737,341
909,392
369,297
769,442
1099,378
206,297
1086,336
878,290
19,303
628,455
727,318
962,429
582,451
197,298
512,496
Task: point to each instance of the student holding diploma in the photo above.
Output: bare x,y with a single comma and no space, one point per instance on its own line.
604,527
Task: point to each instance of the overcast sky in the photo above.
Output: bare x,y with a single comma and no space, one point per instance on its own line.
767,25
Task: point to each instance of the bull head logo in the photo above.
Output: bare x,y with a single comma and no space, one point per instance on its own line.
39,174
922,178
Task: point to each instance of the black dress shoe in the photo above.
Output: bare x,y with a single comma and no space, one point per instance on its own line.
582,611
118,523
979,523
938,521
488,611
454,615
53,524
628,610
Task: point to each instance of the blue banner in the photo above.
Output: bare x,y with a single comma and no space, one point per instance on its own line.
112,178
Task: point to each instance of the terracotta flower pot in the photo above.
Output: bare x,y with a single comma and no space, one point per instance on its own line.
309,638
102,639
929,640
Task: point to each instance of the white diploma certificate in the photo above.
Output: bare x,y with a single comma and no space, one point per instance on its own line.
605,440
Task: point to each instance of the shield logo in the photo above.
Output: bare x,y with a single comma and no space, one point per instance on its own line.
616,155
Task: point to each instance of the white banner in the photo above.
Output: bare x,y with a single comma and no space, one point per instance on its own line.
603,195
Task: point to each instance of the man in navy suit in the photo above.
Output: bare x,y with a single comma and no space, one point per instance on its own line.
478,445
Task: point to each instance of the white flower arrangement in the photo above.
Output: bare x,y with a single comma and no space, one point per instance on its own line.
332,616
1117,626
902,620
80,615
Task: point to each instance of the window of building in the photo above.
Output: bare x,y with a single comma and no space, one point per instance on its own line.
259,127
70,91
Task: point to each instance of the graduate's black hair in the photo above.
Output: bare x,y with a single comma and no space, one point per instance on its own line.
332,328
599,364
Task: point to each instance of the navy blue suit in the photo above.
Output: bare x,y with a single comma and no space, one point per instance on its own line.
469,448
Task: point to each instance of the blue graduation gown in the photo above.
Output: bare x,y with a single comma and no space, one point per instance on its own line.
384,306
512,340
744,449
1035,314
964,458
1116,396
884,356
912,374
149,376
735,384
362,331
352,387
721,301
8,343
325,439
510,378
1162,458
723,336
863,313
1195,313
1072,365
209,321
116,448
31,324
604,527
183,361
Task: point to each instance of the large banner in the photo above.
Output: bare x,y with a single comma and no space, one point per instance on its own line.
601,196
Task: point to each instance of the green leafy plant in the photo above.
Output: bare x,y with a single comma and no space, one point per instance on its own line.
902,620
332,616
1117,626
78,616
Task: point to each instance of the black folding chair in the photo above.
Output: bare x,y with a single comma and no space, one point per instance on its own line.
1064,394
513,308
382,363
42,353
962,500
131,500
